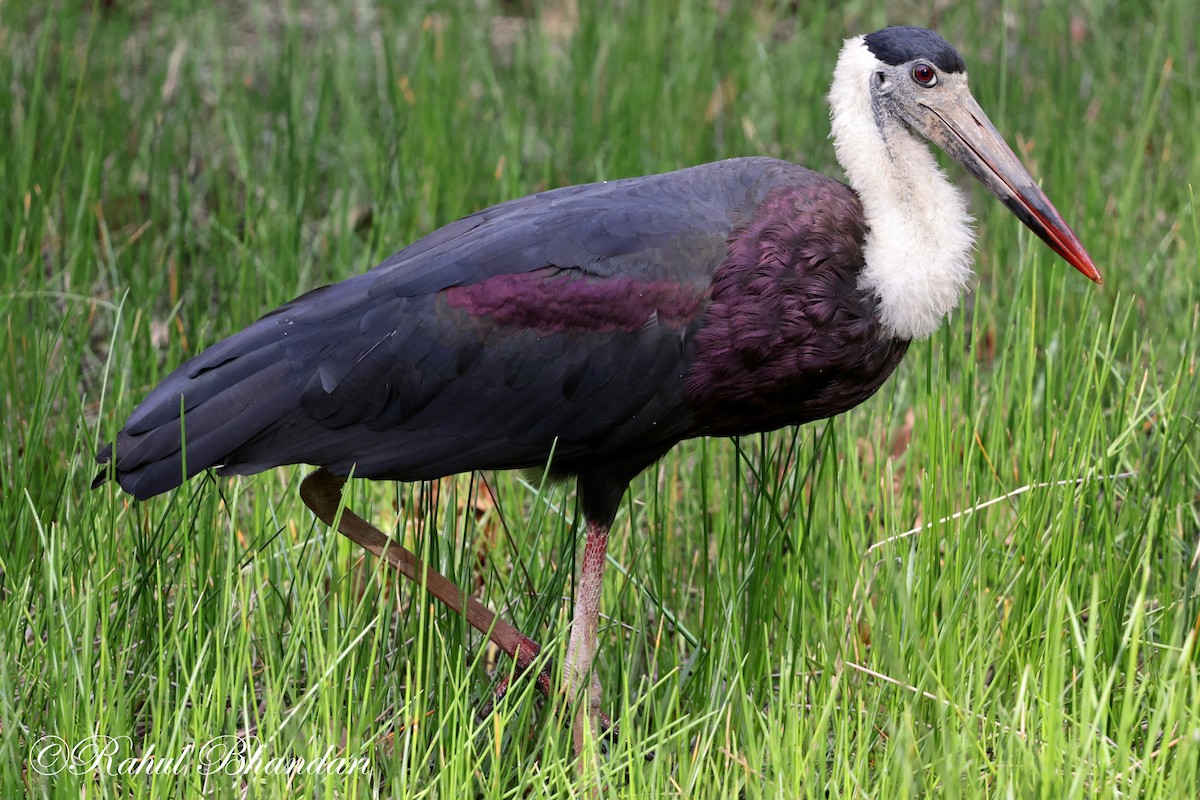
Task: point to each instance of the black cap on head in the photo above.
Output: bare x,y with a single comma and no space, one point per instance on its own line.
903,43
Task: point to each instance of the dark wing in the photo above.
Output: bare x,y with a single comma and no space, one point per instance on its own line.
562,321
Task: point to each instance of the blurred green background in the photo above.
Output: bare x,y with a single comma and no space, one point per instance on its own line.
173,170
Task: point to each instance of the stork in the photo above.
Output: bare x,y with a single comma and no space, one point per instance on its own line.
590,328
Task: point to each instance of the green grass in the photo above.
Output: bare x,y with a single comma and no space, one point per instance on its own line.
813,613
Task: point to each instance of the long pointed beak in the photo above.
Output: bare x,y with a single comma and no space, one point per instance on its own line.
969,137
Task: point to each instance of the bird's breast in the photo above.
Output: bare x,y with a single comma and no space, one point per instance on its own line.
788,336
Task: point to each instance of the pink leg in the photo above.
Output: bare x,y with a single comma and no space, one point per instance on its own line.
582,649
322,492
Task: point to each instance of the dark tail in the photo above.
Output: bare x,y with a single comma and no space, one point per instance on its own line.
204,412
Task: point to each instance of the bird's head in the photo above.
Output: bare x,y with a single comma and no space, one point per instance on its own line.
912,77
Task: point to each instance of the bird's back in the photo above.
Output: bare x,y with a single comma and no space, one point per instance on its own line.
604,321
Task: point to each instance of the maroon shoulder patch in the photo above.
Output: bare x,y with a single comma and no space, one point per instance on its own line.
563,301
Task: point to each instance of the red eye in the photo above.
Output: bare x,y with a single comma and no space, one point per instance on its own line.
924,75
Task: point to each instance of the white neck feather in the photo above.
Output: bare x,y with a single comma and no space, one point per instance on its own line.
919,238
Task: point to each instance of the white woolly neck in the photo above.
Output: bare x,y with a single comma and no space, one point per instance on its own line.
919,239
